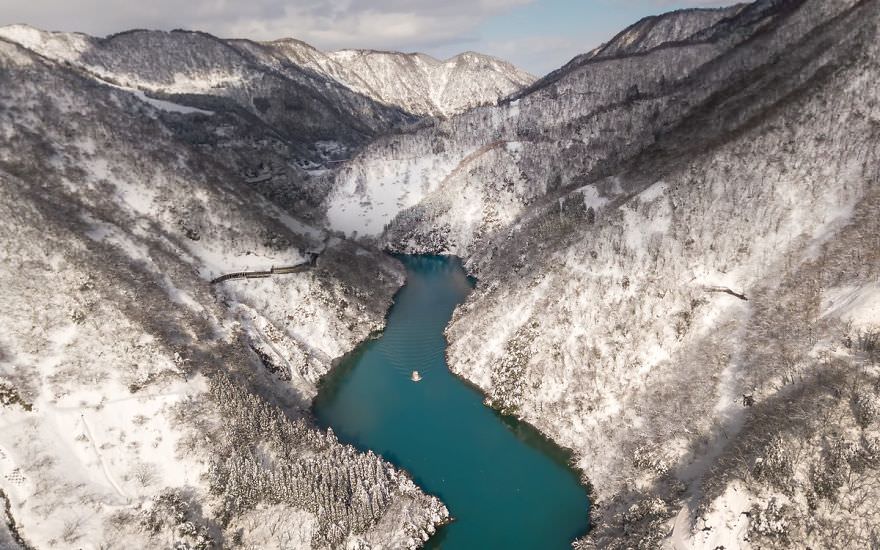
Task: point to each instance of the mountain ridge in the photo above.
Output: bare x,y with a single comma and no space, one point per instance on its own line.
420,101
674,238
369,70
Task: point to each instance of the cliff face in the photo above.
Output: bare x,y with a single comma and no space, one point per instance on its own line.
677,263
142,406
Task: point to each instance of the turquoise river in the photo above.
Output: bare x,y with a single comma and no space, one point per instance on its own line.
505,485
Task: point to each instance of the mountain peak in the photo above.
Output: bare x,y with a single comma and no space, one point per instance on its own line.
417,82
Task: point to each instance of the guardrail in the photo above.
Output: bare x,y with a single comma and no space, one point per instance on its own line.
299,268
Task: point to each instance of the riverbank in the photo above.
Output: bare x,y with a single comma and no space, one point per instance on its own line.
504,483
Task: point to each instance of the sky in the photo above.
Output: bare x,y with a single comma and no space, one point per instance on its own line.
536,35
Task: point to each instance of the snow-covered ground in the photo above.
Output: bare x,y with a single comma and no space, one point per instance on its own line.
141,406
674,234
858,306
165,105
415,82
648,230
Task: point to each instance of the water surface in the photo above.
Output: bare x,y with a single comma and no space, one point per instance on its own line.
505,485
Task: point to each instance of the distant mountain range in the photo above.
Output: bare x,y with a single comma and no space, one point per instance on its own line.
196,62
415,82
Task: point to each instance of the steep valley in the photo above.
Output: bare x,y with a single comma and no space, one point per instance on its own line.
675,238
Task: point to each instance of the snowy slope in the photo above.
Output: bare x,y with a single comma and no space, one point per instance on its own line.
602,325
675,237
415,82
668,29
614,212
476,172
141,406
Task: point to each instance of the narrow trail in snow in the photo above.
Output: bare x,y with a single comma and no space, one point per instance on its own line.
101,458
680,537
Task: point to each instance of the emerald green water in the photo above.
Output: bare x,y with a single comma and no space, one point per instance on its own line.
505,485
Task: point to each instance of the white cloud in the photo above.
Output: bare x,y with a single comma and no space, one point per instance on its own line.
329,24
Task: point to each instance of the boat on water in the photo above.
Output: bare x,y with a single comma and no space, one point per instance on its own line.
415,376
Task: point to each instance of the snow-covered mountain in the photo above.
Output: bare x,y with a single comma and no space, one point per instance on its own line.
282,113
676,246
198,63
474,174
140,405
686,25
143,405
675,237
415,82
200,70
